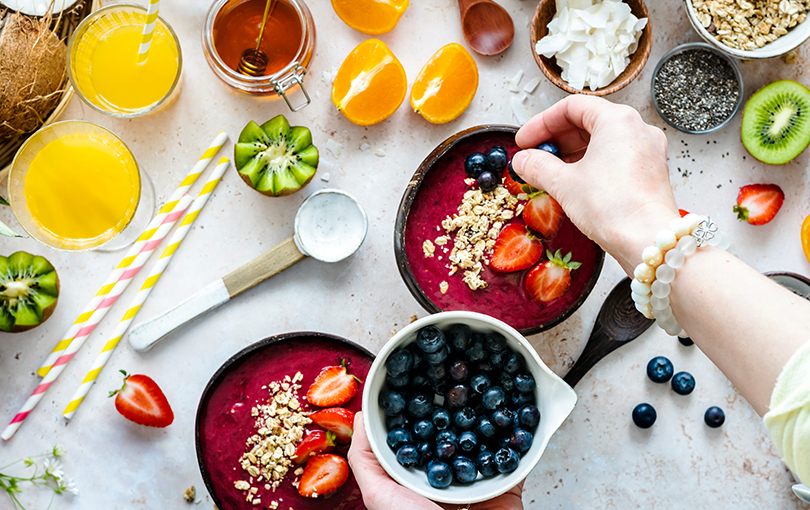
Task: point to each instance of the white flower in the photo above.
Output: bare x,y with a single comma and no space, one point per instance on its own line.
68,485
53,468
59,451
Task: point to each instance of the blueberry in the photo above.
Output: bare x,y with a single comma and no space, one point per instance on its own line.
714,417
474,164
408,456
502,418
506,381
485,428
476,351
498,358
399,362
495,342
484,366
398,382
438,357
501,442
445,451
420,406
486,464
424,430
516,400
398,438
487,181
430,339
493,398
506,460
644,416
420,381
464,470
465,418
549,147
683,383
397,421
436,373
483,447
480,383
497,159
447,436
686,341
391,402
520,440
514,363
460,337
426,453
529,416
457,396
439,474
524,383
459,371
660,369
440,387
441,419
514,175
467,441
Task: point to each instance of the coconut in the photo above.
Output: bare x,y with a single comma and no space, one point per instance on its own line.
32,72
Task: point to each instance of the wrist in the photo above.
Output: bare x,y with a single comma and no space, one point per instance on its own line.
633,237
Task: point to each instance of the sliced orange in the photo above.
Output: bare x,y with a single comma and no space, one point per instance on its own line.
806,237
371,17
446,85
370,85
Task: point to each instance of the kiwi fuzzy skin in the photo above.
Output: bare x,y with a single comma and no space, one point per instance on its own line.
284,193
46,313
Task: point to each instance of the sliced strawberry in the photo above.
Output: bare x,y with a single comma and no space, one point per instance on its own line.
683,212
551,279
758,203
324,473
515,249
543,214
140,400
514,187
314,443
332,387
337,420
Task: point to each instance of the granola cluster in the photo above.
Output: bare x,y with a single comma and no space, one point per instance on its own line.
750,24
280,427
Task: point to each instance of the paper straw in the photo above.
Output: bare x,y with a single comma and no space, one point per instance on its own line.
97,308
146,288
148,29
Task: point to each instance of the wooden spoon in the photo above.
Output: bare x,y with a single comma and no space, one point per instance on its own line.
617,324
487,26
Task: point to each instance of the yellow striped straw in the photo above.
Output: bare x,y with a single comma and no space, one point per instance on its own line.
135,258
146,288
148,30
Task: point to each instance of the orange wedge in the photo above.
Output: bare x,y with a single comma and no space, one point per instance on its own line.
370,85
446,85
371,17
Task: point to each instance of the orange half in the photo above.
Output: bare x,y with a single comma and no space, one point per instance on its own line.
370,85
446,85
371,17
806,237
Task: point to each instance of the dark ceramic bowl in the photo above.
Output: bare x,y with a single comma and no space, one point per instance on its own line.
433,193
796,283
224,423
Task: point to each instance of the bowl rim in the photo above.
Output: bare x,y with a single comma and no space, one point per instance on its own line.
403,212
241,355
462,317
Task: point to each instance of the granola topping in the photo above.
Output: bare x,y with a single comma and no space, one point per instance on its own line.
750,24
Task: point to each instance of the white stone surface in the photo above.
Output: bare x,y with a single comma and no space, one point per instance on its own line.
598,459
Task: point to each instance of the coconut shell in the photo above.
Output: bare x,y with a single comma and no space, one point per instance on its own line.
32,72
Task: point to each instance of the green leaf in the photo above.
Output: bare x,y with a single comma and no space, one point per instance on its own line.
3,201
6,231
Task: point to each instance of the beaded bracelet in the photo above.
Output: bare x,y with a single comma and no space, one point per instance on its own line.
651,285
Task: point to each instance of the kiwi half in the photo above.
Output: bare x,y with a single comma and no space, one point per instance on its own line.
776,122
274,158
29,289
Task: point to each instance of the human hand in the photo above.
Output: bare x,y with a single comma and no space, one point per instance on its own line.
613,180
380,492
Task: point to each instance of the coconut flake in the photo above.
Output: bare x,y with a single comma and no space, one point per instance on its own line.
37,7
335,148
380,153
532,85
364,147
522,114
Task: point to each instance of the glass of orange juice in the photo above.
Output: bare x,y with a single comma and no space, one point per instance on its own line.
103,62
75,186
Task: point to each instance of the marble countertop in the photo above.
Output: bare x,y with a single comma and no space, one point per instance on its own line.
597,460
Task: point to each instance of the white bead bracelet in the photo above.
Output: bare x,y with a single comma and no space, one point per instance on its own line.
651,285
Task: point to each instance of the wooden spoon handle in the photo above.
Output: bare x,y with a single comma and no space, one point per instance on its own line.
464,5
269,263
599,345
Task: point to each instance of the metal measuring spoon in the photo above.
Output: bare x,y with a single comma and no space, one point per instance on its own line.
330,226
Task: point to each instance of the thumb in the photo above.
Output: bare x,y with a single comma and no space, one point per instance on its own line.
540,169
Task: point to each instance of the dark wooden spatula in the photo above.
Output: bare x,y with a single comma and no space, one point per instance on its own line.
617,324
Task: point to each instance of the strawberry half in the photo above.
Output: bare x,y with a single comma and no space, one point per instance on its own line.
551,279
515,249
141,401
333,387
543,214
314,443
515,188
324,473
758,203
337,420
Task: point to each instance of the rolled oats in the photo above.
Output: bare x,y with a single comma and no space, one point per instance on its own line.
748,25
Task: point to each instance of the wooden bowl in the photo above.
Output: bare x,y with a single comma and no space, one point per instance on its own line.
538,29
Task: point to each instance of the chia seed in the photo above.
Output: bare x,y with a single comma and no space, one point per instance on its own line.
696,90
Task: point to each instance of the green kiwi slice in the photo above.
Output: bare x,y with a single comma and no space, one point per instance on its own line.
29,290
776,122
276,159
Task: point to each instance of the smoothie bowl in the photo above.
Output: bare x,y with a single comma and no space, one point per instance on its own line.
447,263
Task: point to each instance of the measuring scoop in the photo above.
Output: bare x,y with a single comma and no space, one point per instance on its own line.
330,226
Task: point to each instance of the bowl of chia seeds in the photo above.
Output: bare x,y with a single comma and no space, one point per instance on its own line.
697,89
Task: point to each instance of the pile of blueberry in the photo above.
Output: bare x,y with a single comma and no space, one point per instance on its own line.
459,403
487,169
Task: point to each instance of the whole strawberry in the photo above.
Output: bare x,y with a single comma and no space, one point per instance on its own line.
758,203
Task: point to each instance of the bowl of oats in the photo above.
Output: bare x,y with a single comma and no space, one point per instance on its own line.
455,209
748,29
